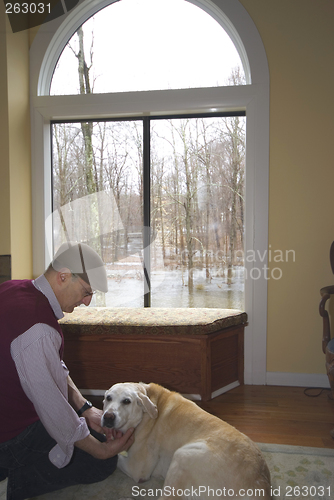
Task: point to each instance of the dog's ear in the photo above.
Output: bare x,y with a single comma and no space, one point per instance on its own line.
143,387
146,404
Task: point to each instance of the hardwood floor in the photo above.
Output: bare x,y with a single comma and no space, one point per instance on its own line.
280,415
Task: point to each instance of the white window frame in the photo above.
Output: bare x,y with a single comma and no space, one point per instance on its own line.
253,98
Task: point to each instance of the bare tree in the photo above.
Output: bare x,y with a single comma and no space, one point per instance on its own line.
85,87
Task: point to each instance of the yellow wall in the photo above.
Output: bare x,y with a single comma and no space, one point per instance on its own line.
15,172
299,42
298,38
4,141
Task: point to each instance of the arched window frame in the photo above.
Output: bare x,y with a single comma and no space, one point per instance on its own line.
253,98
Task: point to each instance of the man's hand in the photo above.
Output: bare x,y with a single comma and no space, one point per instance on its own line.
93,416
116,442
120,442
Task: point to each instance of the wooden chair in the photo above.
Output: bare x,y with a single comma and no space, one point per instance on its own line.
327,341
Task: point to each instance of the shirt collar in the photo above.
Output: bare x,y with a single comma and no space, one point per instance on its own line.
42,284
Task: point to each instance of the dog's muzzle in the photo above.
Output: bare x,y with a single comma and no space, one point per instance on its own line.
108,419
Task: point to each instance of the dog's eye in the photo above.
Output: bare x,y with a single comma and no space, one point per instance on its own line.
109,398
126,401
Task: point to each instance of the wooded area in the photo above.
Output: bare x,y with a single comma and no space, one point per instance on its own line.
197,187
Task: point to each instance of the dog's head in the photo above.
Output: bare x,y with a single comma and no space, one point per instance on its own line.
124,405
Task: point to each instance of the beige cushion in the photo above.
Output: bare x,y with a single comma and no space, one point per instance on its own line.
151,321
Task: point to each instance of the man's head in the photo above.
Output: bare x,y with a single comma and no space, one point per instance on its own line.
75,273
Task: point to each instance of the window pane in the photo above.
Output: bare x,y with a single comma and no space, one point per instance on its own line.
135,45
197,212
97,198
197,172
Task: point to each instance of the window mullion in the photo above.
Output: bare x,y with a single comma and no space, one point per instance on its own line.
147,210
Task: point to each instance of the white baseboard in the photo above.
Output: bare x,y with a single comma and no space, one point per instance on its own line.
298,379
93,392
225,389
218,392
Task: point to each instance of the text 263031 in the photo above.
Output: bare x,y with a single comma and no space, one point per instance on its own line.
28,8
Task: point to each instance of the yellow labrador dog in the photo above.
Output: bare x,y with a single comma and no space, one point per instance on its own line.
199,455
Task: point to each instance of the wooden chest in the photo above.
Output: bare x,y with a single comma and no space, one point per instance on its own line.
197,352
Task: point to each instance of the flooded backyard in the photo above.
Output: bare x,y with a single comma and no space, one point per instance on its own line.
169,288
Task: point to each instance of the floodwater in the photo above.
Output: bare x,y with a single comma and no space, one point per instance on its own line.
169,288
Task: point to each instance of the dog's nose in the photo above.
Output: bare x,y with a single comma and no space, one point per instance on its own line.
109,419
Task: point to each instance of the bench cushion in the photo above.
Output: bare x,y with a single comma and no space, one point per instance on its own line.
151,321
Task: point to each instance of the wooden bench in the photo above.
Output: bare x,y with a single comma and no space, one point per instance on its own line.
197,352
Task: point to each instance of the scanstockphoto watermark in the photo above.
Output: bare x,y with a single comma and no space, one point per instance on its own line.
197,492
269,255
256,262
252,264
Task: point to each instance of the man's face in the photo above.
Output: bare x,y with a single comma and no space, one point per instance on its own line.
75,292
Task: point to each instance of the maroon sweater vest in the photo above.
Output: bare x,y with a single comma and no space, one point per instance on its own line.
21,307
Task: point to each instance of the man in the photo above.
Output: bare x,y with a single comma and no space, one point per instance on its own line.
50,436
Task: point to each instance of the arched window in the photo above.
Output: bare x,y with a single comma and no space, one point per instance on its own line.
186,48
174,103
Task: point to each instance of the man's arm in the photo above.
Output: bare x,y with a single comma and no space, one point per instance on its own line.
76,400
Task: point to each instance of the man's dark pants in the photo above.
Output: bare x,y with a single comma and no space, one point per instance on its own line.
25,461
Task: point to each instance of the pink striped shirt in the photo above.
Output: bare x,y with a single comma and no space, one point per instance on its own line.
44,380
